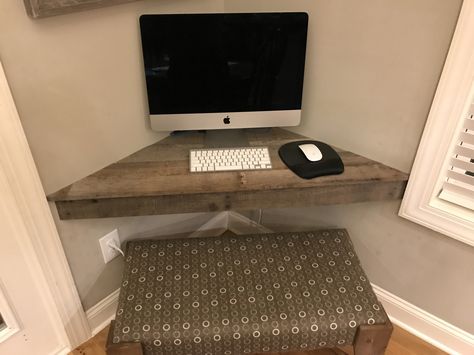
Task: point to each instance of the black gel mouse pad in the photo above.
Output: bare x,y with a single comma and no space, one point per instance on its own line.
296,161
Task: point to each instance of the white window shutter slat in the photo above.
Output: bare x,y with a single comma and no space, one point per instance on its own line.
458,195
458,187
462,164
461,177
467,138
463,151
469,123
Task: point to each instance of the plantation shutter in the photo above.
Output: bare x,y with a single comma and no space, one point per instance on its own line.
459,185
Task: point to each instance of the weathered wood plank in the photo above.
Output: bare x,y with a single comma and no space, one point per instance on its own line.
45,8
132,348
161,179
156,180
372,339
211,202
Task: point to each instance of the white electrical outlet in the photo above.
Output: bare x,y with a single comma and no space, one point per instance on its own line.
107,252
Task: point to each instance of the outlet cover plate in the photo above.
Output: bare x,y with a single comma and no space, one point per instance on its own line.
107,252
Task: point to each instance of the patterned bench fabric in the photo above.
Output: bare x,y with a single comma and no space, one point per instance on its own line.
252,293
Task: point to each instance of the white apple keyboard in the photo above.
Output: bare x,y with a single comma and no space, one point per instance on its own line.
229,159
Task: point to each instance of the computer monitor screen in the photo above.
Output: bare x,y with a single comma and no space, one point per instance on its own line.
212,71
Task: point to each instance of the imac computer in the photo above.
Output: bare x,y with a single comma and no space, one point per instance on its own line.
224,71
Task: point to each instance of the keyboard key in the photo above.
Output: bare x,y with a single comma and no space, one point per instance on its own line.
228,167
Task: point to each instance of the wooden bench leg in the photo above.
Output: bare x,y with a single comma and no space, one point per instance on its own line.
328,351
121,348
325,351
372,339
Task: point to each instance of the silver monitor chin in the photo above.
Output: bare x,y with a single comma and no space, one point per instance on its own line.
195,121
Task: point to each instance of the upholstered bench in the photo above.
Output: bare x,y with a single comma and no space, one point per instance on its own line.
246,294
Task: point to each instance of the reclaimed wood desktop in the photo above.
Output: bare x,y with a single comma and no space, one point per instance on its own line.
156,180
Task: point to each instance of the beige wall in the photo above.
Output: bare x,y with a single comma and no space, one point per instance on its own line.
372,71
78,83
372,67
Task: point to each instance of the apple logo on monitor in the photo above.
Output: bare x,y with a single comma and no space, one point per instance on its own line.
227,119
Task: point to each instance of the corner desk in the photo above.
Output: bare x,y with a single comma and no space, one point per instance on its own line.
156,180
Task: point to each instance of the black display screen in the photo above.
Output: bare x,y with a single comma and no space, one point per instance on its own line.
204,63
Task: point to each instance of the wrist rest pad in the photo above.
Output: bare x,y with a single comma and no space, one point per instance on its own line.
296,161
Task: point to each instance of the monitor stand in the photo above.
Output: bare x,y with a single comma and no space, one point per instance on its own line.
226,138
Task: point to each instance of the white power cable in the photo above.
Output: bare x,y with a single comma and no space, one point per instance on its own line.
115,247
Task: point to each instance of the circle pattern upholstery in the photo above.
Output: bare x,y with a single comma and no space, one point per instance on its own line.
252,293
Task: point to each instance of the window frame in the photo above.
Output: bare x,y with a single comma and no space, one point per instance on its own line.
453,98
11,324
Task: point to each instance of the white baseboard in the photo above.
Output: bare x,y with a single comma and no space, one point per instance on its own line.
62,351
100,315
424,325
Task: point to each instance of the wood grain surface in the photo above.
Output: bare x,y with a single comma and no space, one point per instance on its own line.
156,180
401,343
45,8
